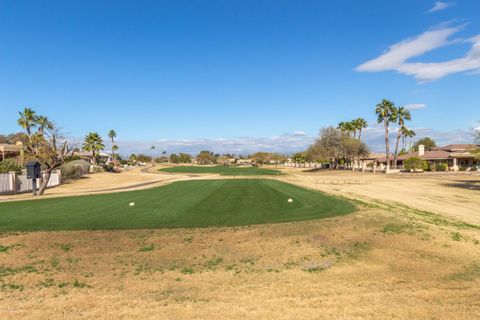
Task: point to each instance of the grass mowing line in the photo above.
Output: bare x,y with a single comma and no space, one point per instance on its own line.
182,204
222,170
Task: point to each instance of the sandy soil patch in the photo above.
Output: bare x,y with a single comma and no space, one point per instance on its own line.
453,196
105,182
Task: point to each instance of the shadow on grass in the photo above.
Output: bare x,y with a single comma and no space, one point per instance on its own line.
465,184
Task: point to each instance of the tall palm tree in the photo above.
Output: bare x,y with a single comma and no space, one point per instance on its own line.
346,127
401,114
153,162
93,142
384,111
407,133
27,120
43,123
112,135
114,149
360,124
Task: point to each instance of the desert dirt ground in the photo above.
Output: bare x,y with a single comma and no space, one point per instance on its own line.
411,251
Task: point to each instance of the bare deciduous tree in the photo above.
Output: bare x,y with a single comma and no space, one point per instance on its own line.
47,144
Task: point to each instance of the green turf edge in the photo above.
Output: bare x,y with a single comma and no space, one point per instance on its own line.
223,171
353,208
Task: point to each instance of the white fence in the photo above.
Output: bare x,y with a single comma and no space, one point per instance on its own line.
13,183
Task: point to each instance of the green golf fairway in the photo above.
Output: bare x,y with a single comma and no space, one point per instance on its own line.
184,204
222,170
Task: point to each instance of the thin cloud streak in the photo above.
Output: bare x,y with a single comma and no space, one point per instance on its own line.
440,6
415,106
397,56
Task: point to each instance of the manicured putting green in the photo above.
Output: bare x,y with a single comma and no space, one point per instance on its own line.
184,204
222,170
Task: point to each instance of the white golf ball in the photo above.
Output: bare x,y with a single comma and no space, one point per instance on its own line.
290,200
131,204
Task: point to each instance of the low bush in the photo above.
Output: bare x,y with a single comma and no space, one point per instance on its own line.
416,164
441,167
473,169
10,165
97,169
75,169
111,168
463,169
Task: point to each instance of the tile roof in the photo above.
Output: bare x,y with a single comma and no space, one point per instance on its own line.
456,147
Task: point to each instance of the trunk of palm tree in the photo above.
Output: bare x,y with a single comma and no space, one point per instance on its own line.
113,154
94,159
387,146
399,135
359,140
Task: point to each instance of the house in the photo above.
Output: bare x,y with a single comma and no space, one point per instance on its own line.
455,156
11,151
87,156
244,162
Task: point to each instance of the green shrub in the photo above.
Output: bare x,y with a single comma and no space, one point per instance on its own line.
10,165
441,167
463,169
416,164
75,169
72,158
97,169
473,169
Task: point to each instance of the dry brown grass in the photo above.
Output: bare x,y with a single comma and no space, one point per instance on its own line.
385,261
453,196
371,264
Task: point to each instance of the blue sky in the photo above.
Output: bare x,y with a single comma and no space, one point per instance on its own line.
239,75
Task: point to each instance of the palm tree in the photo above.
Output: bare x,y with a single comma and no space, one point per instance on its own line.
401,114
346,127
43,123
407,133
112,135
360,124
114,149
93,142
153,162
384,111
27,120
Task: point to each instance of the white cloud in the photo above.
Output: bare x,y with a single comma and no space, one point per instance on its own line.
425,72
415,106
288,143
397,55
374,137
439,6
285,143
299,133
400,52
